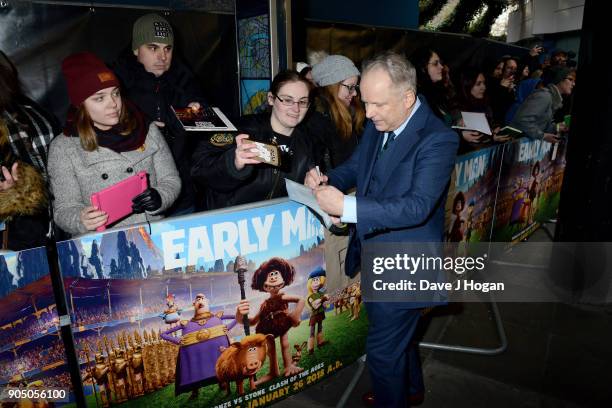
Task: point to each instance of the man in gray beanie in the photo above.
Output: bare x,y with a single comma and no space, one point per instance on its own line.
535,116
155,81
333,69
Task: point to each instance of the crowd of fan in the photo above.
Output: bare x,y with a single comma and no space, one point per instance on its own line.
315,117
30,327
31,359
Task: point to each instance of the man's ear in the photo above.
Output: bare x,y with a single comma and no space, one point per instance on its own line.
409,98
135,52
270,99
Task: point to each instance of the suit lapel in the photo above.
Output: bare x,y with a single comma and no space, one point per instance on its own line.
404,143
375,144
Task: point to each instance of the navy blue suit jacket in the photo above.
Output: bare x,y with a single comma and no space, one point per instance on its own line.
408,203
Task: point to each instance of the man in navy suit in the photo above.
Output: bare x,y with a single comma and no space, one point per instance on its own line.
401,170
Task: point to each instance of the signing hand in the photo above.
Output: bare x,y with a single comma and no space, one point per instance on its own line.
10,177
244,153
93,218
330,199
313,180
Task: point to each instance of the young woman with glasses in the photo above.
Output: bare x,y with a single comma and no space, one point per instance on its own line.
226,167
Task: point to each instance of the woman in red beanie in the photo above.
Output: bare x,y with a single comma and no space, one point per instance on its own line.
105,141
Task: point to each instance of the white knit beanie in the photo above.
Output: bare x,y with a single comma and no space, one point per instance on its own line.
333,69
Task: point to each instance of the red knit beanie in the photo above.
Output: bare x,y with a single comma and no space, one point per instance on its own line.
86,74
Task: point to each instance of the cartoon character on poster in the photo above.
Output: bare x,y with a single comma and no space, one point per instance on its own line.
317,301
519,195
200,345
274,316
172,314
455,232
533,191
469,222
242,360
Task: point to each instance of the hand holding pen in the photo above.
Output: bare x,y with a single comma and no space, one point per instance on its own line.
314,178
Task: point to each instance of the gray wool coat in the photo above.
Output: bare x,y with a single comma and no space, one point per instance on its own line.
75,174
535,116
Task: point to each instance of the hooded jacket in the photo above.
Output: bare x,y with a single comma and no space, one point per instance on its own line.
535,116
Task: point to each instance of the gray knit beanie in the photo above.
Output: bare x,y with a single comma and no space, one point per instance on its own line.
333,69
151,28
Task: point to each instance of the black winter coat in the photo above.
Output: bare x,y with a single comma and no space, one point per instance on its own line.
154,96
214,170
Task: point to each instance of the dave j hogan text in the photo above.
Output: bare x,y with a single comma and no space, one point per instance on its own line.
426,285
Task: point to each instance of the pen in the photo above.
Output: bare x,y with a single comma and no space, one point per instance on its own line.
319,174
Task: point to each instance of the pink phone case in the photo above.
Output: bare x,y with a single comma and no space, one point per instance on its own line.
116,200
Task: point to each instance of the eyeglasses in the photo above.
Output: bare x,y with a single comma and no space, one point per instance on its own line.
350,88
286,101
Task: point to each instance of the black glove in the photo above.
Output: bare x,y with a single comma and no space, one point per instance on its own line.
148,200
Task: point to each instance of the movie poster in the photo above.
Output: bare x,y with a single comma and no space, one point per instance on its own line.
154,311
32,354
530,188
471,196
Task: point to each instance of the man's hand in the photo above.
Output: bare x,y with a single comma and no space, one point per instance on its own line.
93,218
313,180
194,105
244,153
10,177
159,124
330,199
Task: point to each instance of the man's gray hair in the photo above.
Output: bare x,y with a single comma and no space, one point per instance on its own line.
399,69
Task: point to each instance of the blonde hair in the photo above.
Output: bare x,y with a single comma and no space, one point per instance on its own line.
309,284
85,128
344,122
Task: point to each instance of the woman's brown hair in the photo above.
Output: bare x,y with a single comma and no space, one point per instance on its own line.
85,128
344,122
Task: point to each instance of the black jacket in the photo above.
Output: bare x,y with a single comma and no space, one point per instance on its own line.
154,96
214,171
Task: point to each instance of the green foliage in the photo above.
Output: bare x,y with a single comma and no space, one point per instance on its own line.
482,27
428,9
460,18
